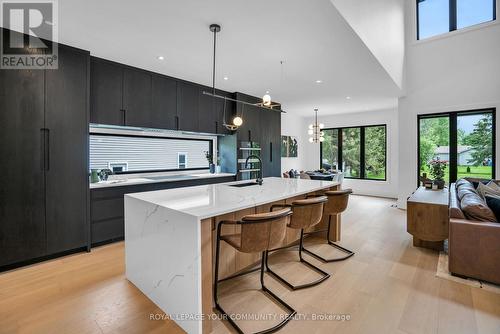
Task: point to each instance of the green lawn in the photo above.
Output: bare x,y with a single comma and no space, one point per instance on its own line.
482,172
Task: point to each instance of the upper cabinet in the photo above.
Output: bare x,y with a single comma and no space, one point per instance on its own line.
106,93
137,98
211,111
188,106
250,130
120,95
164,103
127,96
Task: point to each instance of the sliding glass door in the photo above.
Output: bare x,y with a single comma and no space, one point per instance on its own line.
475,146
434,144
464,141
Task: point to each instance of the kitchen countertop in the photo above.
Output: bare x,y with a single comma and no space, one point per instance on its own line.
145,179
216,199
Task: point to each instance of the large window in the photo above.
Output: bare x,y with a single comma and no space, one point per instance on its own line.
130,153
360,152
463,140
435,17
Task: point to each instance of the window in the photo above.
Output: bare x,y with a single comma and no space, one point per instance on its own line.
435,17
118,166
465,141
360,152
181,160
137,153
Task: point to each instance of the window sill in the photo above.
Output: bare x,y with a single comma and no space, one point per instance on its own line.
456,32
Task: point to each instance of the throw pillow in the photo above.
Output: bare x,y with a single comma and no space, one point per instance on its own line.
483,190
475,208
494,205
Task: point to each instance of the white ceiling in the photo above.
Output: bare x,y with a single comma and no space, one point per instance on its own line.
311,37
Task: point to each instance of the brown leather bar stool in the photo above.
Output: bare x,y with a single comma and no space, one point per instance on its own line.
259,233
337,203
306,213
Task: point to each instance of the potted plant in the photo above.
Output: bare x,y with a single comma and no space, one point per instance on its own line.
437,168
210,160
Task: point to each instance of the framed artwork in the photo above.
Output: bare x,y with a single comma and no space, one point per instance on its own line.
289,147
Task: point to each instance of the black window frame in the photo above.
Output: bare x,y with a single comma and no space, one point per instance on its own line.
453,117
211,151
362,152
453,14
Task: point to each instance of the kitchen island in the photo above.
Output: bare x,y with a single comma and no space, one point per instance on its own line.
169,240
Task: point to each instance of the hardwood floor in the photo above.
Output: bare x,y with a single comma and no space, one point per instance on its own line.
389,286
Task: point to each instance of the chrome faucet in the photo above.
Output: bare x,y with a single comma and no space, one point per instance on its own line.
259,178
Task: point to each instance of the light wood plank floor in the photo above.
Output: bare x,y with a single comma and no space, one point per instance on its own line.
387,287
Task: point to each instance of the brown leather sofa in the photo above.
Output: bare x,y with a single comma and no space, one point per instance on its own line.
474,246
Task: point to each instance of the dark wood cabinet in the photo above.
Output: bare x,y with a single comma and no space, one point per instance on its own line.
250,130
106,95
66,120
188,106
211,112
44,148
164,103
137,98
22,192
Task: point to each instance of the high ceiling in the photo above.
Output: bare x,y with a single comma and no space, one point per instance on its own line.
311,37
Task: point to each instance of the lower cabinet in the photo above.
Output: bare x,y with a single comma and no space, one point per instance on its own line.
107,208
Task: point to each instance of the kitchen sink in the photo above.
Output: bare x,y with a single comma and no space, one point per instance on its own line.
247,184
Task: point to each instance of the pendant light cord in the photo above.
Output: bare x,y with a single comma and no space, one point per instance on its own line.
213,69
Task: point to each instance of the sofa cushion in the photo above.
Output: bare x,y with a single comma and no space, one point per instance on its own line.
493,203
461,182
465,189
475,208
490,189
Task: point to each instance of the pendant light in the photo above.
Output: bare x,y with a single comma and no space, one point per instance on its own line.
316,134
266,99
238,120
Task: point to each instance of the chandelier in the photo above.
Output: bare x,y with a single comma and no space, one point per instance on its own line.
316,134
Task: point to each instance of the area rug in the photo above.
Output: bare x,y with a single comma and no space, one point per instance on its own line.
442,272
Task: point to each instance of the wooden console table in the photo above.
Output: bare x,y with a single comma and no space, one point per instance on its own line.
427,217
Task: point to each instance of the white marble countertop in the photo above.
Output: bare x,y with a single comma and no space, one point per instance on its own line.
129,180
216,199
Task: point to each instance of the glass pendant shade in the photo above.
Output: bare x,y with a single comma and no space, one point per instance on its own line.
266,100
238,121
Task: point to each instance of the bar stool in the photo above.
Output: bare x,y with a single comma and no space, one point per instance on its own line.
259,232
337,203
306,213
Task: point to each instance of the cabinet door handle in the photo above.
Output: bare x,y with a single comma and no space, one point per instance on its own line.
271,151
249,135
216,127
47,149
177,122
124,116
44,149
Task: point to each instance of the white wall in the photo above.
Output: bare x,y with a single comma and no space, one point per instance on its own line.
387,188
459,71
380,25
292,125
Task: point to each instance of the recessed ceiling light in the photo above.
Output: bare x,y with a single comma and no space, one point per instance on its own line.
226,78
348,97
319,81
161,58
